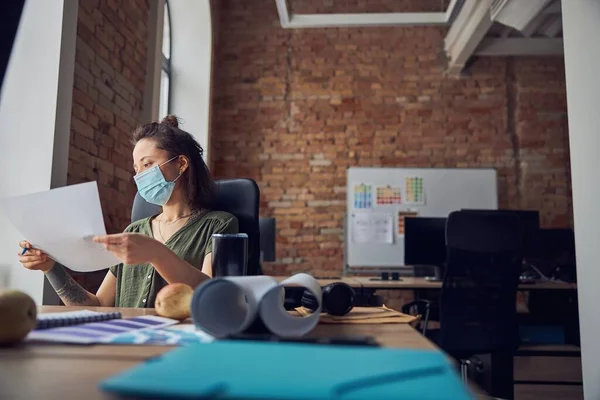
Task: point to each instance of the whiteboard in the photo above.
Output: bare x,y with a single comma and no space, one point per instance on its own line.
381,192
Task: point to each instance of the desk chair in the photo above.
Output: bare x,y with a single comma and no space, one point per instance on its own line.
478,297
268,234
239,197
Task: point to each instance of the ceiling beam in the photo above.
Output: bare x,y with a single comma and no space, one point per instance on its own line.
506,31
518,13
297,21
534,24
553,8
552,27
466,33
365,20
282,9
453,9
520,47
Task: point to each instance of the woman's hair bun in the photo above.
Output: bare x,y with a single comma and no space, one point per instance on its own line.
171,120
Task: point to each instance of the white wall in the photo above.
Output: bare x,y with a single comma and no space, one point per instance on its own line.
581,27
191,46
35,114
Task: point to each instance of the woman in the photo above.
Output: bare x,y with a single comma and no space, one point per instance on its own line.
173,246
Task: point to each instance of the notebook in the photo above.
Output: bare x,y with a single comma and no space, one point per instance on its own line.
68,318
102,331
178,335
291,371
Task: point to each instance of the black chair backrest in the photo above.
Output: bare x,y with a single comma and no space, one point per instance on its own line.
239,197
268,234
478,298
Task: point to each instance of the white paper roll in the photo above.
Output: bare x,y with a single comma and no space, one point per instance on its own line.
278,320
228,305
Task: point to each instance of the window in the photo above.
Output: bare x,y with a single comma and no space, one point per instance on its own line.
165,72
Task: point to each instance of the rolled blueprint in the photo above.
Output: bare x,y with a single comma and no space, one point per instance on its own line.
229,305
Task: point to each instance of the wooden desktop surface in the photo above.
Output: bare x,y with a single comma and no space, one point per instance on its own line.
413,283
57,371
422,283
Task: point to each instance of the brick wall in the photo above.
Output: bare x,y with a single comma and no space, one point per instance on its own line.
110,70
294,109
543,139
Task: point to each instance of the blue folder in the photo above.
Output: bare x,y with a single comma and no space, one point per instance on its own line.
263,370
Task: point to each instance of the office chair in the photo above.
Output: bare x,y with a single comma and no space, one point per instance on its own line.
478,298
268,234
239,197
421,307
477,304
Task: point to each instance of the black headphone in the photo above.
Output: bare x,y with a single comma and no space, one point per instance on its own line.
338,299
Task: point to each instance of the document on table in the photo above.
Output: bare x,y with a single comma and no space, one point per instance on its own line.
372,228
62,222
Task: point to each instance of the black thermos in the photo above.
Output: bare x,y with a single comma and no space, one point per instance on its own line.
229,254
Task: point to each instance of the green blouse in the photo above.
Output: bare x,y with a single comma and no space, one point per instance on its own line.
137,285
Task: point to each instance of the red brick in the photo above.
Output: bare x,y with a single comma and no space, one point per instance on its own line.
104,114
105,39
82,127
83,99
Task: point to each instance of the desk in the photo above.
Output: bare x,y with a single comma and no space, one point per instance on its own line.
353,282
413,283
56,371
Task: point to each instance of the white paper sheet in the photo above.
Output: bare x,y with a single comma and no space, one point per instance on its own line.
372,228
62,223
229,305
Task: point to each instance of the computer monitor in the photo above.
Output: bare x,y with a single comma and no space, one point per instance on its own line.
530,221
556,242
267,238
425,242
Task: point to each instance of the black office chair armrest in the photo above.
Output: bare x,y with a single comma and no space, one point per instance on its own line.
419,307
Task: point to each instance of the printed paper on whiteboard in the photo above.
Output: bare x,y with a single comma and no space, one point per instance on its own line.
372,228
363,196
387,195
402,215
414,190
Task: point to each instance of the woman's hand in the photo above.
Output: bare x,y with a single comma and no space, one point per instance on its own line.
34,259
131,248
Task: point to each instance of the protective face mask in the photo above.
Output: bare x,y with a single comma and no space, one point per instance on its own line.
153,186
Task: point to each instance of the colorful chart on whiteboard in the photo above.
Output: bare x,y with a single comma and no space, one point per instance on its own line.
388,195
363,197
402,215
414,193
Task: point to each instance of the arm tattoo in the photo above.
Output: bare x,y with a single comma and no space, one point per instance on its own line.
66,287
